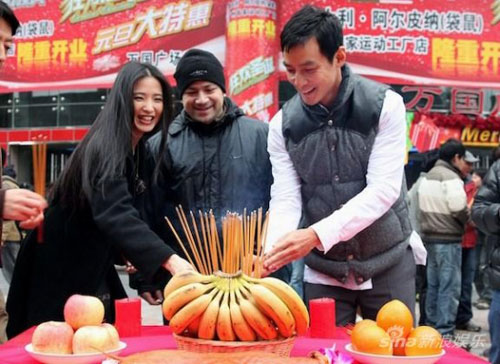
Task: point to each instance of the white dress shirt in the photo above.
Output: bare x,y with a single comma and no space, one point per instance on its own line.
383,179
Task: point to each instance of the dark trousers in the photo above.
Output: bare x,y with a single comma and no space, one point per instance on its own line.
397,282
421,283
464,313
484,247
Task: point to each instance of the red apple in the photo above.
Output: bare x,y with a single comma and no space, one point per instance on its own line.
95,339
53,337
83,311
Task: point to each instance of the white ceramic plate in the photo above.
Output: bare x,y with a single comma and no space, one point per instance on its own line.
366,358
72,358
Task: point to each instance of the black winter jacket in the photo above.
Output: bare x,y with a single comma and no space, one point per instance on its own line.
222,167
79,250
486,216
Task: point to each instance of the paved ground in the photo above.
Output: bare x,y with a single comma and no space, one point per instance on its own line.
151,315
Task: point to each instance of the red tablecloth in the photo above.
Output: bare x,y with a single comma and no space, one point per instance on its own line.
159,337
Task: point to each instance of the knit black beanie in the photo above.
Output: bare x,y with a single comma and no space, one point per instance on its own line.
198,65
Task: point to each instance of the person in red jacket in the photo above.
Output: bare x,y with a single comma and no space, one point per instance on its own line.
469,240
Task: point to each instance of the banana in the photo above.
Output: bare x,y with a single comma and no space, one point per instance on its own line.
183,295
190,312
184,278
274,308
194,326
224,328
208,320
241,328
291,299
256,319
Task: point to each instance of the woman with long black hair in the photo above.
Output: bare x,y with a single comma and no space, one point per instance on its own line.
96,209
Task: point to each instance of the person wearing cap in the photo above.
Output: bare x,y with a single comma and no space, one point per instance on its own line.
443,213
469,240
216,158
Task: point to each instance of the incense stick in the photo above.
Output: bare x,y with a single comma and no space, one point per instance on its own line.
243,241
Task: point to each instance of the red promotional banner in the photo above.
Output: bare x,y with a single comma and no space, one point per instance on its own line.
446,42
83,43
252,57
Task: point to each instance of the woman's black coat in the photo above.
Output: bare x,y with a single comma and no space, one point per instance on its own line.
79,250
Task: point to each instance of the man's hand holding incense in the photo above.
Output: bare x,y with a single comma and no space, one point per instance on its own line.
290,247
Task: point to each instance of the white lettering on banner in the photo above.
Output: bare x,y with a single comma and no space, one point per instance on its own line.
14,4
68,7
199,15
255,71
174,56
146,23
81,10
386,44
155,57
35,29
257,103
252,8
380,18
104,40
251,13
271,4
123,34
428,21
346,15
155,22
173,18
106,62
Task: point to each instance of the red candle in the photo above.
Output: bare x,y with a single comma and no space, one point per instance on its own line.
128,316
322,313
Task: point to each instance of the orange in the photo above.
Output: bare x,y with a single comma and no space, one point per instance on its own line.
356,336
424,340
371,339
398,347
396,319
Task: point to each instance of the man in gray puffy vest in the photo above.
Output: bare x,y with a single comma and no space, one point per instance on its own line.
337,149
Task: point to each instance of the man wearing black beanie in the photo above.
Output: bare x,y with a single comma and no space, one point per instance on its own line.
216,157
199,65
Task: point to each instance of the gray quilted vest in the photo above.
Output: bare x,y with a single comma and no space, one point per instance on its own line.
330,152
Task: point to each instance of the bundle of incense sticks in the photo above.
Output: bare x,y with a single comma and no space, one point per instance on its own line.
242,247
39,149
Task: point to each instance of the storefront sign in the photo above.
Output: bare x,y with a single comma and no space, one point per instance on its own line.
475,137
422,93
82,43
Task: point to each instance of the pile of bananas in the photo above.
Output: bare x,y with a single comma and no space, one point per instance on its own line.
232,307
